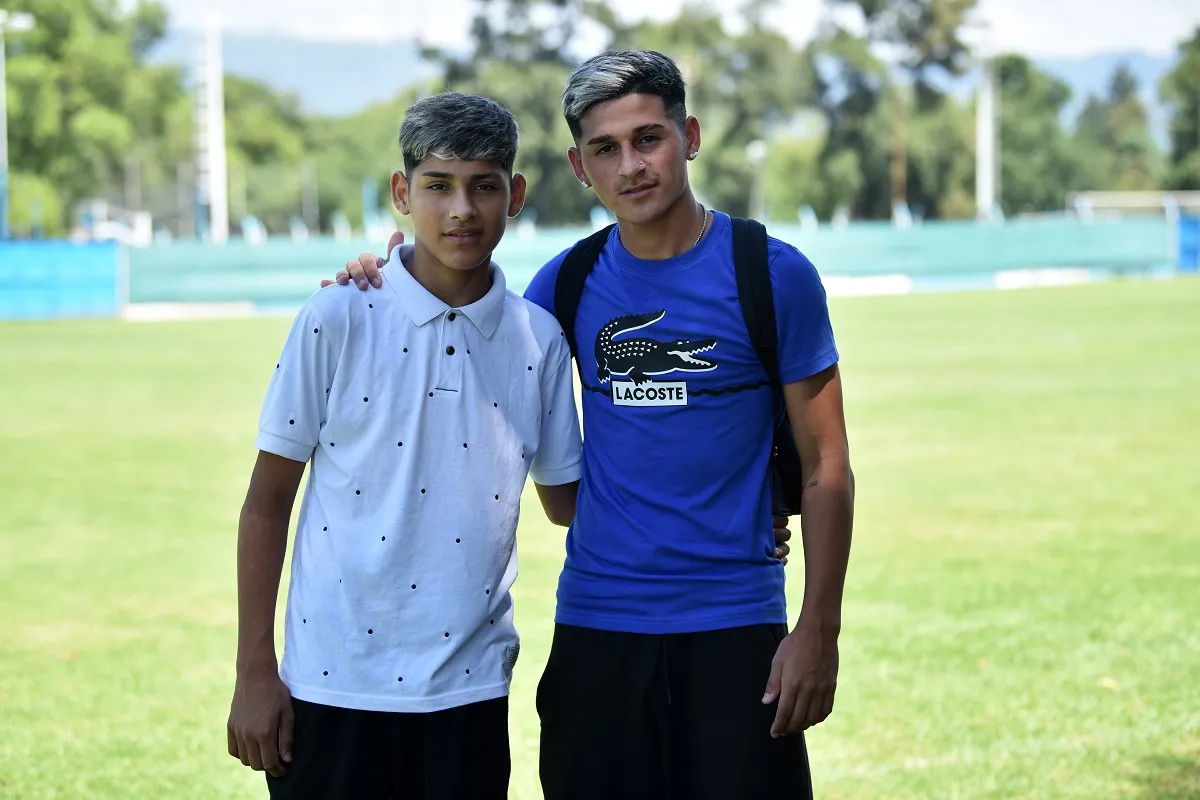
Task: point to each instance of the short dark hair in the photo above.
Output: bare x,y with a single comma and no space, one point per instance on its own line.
456,125
613,75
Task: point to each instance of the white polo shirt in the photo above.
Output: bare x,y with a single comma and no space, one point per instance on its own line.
421,423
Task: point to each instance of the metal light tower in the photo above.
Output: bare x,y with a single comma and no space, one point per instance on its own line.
16,22
987,144
212,182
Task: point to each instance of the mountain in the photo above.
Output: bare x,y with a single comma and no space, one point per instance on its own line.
330,78
1090,75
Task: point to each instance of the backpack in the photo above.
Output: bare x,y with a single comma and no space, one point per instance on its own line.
756,297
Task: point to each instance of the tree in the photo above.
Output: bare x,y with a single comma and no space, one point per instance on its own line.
1113,131
852,90
928,34
82,106
1038,163
1180,90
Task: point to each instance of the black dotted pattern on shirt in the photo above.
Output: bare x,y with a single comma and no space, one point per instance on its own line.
458,540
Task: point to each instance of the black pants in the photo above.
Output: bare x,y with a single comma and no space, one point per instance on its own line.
673,717
342,754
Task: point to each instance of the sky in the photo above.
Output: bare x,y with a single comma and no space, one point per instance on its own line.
1036,28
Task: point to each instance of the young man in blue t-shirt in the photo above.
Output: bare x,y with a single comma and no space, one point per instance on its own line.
672,672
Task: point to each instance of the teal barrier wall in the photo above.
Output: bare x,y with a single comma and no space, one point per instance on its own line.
284,272
44,279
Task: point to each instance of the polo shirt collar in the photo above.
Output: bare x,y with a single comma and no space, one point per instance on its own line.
422,307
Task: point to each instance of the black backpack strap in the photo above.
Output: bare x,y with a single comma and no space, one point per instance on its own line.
572,275
756,295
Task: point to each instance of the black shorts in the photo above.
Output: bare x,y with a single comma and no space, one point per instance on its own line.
665,717
373,755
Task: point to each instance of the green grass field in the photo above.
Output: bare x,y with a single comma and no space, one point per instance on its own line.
1023,609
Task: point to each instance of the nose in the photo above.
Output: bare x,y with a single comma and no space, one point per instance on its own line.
462,208
632,163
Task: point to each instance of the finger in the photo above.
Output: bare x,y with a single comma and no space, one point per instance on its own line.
800,708
243,751
327,282
771,691
394,242
782,535
354,270
287,725
371,270
782,551
780,522
254,753
270,757
232,742
784,711
826,707
268,749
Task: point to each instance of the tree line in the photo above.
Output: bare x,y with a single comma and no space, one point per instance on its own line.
842,129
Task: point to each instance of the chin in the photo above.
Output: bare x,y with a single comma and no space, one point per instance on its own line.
463,262
642,212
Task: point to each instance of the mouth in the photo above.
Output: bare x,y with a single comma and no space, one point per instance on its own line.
464,237
691,355
638,191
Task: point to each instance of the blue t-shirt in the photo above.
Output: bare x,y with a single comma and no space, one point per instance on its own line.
673,529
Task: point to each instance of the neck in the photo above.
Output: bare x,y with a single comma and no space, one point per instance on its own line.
454,287
670,235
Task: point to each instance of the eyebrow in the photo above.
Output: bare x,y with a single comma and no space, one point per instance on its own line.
654,126
446,176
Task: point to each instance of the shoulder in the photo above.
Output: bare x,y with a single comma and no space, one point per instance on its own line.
336,308
791,270
541,288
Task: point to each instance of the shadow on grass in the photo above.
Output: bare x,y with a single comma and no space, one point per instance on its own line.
1171,777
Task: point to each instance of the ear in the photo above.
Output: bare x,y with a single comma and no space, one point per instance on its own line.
691,135
400,192
577,164
517,195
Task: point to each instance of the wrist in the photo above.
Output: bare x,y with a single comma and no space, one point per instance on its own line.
825,624
257,663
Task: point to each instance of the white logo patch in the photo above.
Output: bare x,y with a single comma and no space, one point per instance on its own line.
627,393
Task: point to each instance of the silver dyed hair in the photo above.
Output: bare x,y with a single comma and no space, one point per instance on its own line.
453,125
611,76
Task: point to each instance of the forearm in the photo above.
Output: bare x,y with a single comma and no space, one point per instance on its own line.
262,544
826,522
559,502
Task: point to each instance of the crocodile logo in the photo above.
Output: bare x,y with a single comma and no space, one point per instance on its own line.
637,358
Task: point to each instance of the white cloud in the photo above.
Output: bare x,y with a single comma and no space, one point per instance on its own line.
1039,28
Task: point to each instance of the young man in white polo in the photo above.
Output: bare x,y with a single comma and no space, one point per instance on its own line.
421,409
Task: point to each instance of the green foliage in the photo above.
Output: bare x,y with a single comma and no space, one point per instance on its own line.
81,103
1038,160
34,204
1180,89
1113,130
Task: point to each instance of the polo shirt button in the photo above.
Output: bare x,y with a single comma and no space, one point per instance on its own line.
450,350
451,316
